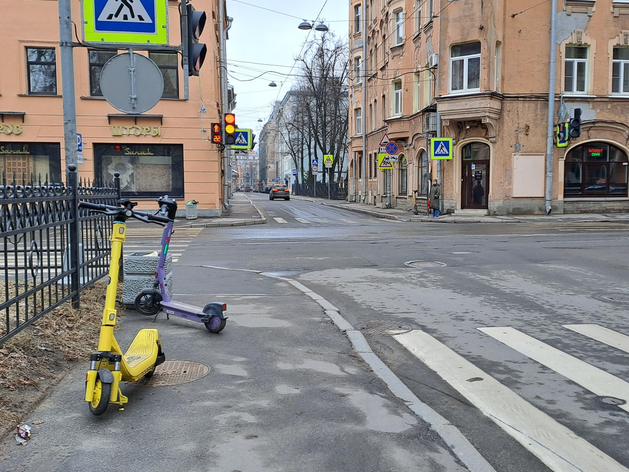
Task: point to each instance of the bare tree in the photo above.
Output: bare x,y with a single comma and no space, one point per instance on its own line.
318,121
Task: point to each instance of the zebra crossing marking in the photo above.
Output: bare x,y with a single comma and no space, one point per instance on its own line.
592,378
303,220
603,335
555,445
280,220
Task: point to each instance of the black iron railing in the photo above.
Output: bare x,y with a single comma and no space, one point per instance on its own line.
49,251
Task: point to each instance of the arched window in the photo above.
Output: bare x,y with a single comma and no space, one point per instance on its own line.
595,170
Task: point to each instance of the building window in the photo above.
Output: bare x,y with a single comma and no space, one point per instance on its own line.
422,170
42,71
357,69
97,59
403,175
465,67
620,71
596,170
576,69
169,65
429,12
370,166
418,89
145,170
358,115
397,98
375,114
375,166
418,15
357,12
399,27
19,160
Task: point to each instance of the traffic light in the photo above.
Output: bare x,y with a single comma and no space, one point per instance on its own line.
229,126
217,133
575,124
196,50
561,133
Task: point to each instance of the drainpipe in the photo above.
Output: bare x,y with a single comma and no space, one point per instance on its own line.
551,106
364,99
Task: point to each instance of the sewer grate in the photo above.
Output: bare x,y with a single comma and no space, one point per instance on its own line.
424,264
176,372
622,298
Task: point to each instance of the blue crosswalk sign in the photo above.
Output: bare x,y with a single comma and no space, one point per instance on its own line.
441,148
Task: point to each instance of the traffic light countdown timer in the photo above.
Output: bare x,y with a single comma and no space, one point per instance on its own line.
217,133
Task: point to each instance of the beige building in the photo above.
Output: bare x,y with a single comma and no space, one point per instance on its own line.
166,150
478,73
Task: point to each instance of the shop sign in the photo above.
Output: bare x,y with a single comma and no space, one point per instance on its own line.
153,131
10,129
129,152
10,150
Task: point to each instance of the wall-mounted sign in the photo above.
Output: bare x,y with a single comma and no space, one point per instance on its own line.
153,131
10,129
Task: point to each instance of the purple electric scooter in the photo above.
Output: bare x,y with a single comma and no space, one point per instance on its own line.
150,301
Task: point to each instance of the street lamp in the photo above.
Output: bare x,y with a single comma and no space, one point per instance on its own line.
308,25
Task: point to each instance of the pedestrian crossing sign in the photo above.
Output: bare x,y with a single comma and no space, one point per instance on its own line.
441,148
242,139
125,22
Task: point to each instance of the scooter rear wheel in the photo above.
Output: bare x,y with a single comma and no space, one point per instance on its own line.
147,304
100,401
216,324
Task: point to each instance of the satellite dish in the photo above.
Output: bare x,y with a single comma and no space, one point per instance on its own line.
131,83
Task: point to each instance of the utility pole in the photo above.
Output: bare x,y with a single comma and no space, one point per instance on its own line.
67,79
551,107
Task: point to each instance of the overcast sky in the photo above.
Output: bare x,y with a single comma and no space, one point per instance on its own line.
264,39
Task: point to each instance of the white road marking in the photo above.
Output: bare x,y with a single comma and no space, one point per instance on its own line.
280,220
604,335
589,377
554,444
303,220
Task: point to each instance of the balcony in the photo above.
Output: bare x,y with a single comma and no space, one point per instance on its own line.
483,106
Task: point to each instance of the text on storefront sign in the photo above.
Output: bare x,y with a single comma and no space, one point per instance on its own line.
136,131
11,129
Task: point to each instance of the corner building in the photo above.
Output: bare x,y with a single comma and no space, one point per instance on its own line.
478,73
166,150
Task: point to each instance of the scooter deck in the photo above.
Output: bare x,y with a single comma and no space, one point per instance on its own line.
142,353
193,310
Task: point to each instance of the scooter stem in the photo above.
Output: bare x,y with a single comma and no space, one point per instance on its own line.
106,339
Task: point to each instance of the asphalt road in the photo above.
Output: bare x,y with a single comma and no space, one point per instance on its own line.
491,326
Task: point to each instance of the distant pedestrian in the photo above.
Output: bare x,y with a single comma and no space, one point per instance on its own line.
434,197
478,192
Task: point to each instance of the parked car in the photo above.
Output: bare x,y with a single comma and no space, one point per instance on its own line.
279,191
248,189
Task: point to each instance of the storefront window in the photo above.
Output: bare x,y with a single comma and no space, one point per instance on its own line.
595,169
31,162
145,170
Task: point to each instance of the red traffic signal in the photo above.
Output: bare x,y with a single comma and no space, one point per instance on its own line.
217,135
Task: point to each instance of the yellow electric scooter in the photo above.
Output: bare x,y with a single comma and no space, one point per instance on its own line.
109,366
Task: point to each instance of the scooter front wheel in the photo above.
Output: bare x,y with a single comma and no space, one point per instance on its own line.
100,401
147,304
216,324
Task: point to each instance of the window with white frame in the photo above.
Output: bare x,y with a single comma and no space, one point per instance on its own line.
357,69
418,89
399,27
397,98
357,14
575,69
358,118
620,71
465,67
429,10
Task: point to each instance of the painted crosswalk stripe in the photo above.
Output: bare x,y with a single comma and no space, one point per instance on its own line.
592,378
303,220
554,444
279,220
602,334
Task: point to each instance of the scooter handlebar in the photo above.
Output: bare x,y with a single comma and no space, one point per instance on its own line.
127,210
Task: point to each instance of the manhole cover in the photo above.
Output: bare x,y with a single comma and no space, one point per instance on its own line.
615,297
613,401
424,264
176,372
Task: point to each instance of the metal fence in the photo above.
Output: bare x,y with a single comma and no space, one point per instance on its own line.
333,191
50,252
